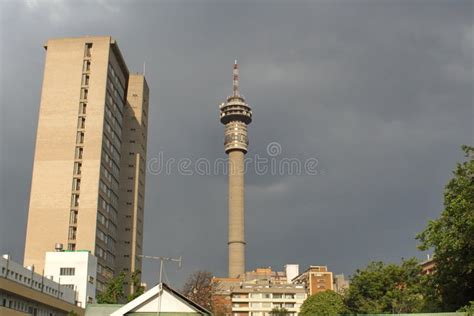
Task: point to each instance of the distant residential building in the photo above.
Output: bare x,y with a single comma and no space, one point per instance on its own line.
25,292
315,279
428,266
261,291
76,270
159,300
340,284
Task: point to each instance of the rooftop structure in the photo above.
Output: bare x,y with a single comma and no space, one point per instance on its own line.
22,290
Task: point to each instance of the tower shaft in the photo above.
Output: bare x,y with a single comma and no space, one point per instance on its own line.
236,214
236,114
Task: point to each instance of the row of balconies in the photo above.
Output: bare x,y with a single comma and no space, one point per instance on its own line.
263,309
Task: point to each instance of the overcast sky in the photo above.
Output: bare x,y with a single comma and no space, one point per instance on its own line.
379,92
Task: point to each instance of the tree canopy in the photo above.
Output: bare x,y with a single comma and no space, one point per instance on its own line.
279,311
138,288
323,303
113,293
386,288
200,288
451,236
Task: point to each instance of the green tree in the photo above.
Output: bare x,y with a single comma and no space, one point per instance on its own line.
391,288
113,293
279,311
138,288
452,238
323,303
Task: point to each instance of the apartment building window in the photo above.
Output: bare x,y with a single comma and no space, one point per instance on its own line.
77,168
82,108
267,295
101,218
88,50
99,252
72,233
100,286
110,258
84,93
103,187
78,153
80,138
85,79
87,66
75,200
73,217
81,122
76,184
67,271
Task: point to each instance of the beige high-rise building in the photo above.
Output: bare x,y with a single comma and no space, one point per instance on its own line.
88,182
236,114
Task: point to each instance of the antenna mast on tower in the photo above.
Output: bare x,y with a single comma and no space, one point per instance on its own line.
235,81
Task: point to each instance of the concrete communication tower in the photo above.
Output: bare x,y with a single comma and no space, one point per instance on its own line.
236,114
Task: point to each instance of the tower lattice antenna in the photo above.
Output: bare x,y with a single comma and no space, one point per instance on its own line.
235,81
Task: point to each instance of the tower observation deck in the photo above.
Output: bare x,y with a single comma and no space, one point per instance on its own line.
236,114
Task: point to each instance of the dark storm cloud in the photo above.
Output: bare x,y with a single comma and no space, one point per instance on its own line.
380,92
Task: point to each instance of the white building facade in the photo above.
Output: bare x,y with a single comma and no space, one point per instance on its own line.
259,300
22,290
76,270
